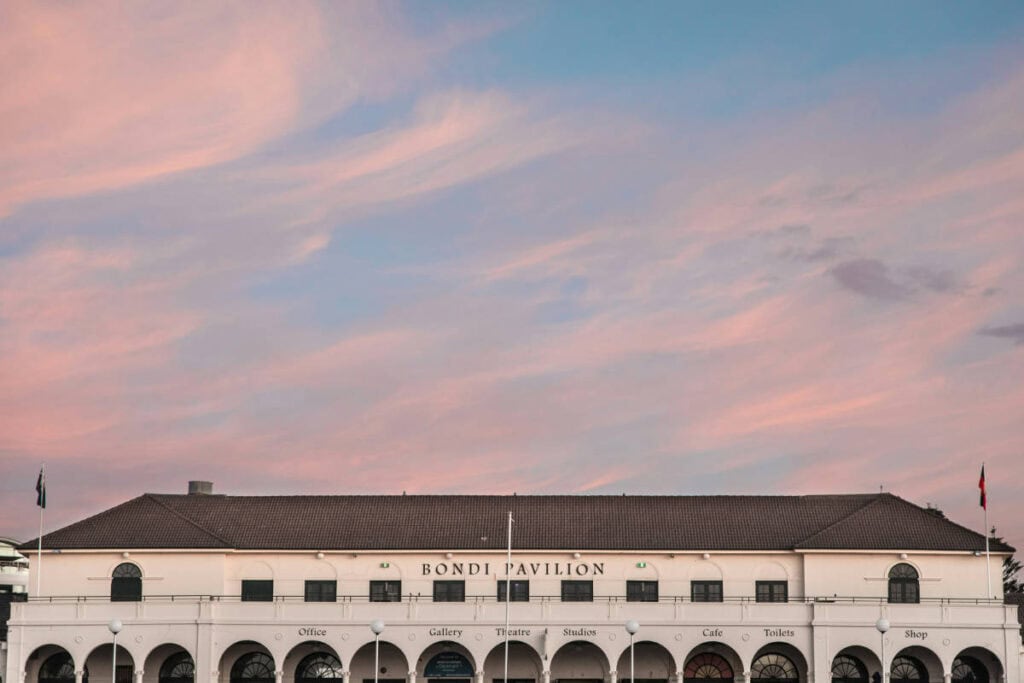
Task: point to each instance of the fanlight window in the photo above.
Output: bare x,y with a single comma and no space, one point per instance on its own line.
178,668
126,583
58,667
908,669
903,584
969,670
846,669
773,667
254,666
318,665
707,665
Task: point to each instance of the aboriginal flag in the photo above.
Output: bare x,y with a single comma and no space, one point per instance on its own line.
983,501
41,490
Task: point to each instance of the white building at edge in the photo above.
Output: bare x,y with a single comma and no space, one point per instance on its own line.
742,589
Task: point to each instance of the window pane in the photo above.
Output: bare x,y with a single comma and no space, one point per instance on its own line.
706,591
641,591
321,591
385,591
449,591
520,591
577,591
772,591
257,590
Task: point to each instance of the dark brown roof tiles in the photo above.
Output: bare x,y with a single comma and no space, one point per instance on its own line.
456,522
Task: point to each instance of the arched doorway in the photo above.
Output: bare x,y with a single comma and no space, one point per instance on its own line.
707,666
774,667
58,668
579,661
446,662
848,669
967,669
178,668
393,667
254,667
652,661
318,666
906,668
100,661
524,663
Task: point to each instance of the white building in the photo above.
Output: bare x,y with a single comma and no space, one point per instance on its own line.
283,589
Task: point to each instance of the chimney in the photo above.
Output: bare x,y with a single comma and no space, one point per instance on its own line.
200,488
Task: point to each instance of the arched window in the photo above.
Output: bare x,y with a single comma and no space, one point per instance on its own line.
908,669
254,667
318,666
903,584
847,669
707,665
178,668
969,670
126,583
773,667
57,668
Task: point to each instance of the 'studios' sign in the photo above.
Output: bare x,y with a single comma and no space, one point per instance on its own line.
513,569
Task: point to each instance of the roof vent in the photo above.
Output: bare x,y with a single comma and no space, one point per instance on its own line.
200,488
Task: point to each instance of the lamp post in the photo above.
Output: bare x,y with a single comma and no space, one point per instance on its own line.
115,628
883,625
632,626
377,627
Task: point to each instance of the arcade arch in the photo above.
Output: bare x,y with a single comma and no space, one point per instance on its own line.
712,660
778,663
169,663
579,661
311,660
446,662
55,665
854,662
524,663
917,664
246,662
976,665
393,664
99,663
653,663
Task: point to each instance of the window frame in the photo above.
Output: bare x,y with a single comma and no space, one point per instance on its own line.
449,590
319,585
520,590
708,595
254,590
126,583
641,590
771,592
904,589
572,595
388,590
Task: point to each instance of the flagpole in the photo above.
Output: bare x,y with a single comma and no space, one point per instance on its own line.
508,591
39,549
988,556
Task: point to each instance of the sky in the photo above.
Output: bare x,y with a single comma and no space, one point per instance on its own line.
471,247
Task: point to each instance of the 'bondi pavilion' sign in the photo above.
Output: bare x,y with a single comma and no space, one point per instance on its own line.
515,568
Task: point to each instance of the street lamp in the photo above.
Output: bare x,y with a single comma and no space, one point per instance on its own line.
115,628
377,626
631,628
883,625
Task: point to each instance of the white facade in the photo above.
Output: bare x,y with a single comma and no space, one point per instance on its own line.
191,602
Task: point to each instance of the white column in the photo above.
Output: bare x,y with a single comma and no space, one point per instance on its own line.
138,675
411,677
546,677
79,675
947,677
346,676
613,677
478,677
746,677
278,676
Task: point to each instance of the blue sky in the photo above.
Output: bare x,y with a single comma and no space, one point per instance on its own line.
480,247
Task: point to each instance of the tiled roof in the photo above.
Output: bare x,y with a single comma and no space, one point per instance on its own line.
442,522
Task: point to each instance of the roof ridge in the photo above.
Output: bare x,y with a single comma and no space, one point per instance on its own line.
947,520
153,497
839,521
